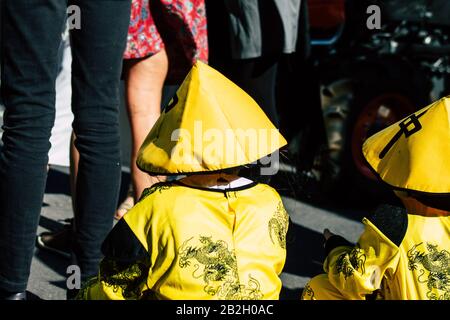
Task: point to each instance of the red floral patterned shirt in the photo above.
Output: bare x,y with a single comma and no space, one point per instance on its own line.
179,26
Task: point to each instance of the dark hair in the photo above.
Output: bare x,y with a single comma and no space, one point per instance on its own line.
234,170
441,202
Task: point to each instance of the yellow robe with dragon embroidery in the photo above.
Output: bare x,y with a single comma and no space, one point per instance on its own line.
417,269
412,156
199,244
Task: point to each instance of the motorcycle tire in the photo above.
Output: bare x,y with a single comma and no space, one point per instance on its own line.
374,106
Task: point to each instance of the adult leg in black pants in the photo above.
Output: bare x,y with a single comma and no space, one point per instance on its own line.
258,78
97,53
31,33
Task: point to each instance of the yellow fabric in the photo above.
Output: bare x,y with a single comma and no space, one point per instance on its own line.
206,244
211,125
418,160
320,288
418,269
126,284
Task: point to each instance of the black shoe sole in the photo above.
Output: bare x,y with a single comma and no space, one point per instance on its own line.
41,245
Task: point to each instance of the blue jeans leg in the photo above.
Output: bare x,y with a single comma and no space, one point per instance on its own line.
31,34
97,51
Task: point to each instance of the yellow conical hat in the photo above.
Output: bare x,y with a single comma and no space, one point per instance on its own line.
210,125
414,153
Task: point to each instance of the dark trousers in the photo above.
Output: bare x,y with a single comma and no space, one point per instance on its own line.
31,35
258,78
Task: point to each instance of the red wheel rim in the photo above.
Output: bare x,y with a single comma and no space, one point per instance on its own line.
379,113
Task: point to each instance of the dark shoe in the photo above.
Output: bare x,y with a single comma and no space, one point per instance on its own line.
57,242
32,296
27,295
13,296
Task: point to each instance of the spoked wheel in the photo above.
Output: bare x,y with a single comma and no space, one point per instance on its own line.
374,107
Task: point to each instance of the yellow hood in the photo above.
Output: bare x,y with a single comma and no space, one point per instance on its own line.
210,125
414,153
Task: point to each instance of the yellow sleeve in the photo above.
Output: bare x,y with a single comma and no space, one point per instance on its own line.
358,271
116,283
124,271
278,227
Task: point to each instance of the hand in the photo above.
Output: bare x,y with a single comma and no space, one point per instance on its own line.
327,234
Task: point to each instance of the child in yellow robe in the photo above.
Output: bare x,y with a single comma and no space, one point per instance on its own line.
211,234
403,253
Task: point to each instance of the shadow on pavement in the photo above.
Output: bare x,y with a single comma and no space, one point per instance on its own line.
305,253
53,261
59,284
290,294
